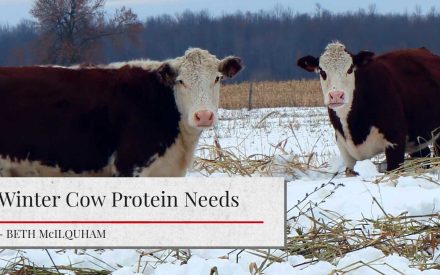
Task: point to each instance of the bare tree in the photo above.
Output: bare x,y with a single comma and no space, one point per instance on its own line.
72,30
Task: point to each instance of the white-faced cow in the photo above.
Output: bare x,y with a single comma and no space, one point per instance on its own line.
388,103
96,121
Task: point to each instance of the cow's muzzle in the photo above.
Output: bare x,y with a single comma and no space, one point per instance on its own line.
204,119
336,99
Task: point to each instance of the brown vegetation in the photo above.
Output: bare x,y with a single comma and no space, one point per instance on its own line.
267,94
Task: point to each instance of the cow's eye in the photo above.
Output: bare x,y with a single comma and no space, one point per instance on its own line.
218,78
180,81
350,70
323,74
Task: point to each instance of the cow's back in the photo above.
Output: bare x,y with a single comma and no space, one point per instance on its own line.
74,120
57,117
414,75
415,71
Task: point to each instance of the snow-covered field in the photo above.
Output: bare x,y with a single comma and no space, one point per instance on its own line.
259,131
316,201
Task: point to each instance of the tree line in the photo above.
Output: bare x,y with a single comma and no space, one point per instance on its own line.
269,42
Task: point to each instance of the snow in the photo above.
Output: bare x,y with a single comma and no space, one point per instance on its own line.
197,265
366,169
286,134
355,198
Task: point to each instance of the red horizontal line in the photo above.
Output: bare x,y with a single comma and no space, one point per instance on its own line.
131,222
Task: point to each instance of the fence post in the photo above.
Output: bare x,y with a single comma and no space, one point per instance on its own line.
250,95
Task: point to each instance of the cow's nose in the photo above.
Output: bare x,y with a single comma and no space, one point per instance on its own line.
337,97
204,118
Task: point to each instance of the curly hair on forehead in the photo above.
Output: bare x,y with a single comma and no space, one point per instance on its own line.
336,56
335,51
198,56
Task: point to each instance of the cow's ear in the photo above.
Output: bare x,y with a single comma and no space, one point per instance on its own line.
308,63
167,74
363,58
230,66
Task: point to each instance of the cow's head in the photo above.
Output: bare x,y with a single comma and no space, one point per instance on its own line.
197,85
336,67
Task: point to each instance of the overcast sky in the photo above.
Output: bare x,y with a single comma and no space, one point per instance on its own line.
12,11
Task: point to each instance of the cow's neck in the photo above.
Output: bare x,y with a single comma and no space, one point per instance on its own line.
189,137
342,113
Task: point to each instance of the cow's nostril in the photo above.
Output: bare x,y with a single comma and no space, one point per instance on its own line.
204,118
331,97
342,96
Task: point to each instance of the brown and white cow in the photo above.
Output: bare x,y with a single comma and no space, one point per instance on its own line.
124,121
388,103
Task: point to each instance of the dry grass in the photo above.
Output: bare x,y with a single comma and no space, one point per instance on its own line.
427,168
233,161
414,237
23,266
228,163
267,94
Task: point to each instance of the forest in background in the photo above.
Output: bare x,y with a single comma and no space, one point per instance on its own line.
269,42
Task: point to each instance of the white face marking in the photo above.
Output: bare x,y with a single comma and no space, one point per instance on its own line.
197,85
337,68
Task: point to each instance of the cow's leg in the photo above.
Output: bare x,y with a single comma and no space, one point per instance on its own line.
124,167
115,171
422,153
5,172
437,147
395,155
348,159
126,160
